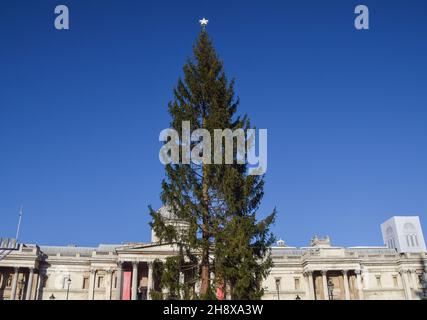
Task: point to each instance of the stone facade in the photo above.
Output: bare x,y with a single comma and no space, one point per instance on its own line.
111,272
357,273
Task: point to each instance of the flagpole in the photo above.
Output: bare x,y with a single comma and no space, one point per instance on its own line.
21,211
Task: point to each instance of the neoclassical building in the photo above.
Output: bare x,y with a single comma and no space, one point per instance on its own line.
320,271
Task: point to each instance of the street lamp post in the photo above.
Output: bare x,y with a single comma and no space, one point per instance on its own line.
68,285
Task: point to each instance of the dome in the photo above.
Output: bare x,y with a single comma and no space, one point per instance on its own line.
280,243
166,213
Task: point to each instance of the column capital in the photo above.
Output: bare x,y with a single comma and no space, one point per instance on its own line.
344,272
323,272
92,271
135,264
308,273
119,264
16,269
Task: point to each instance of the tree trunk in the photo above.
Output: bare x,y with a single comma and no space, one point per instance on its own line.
205,276
205,272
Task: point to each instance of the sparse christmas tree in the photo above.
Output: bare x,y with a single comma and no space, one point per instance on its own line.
215,205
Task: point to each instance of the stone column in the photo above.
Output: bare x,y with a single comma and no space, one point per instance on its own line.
30,284
40,280
181,284
149,280
406,274
197,287
135,280
406,287
212,278
165,291
14,283
92,279
108,284
325,285
119,281
359,285
309,276
425,278
414,279
346,286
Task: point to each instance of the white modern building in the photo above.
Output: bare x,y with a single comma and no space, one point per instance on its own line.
319,271
403,234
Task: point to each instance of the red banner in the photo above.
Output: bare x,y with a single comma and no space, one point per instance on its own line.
220,294
127,279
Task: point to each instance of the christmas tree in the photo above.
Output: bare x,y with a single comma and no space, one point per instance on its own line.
213,207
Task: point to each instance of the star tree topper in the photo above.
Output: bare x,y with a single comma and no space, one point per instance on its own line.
204,22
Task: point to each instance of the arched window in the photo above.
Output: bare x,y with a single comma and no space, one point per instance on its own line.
408,226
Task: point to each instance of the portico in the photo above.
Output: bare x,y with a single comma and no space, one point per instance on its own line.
135,265
134,280
333,284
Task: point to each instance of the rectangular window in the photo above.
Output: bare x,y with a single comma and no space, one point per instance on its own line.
9,281
85,282
66,282
278,284
395,284
297,284
100,282
378,281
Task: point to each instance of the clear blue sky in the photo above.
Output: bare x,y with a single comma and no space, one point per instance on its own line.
81,111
